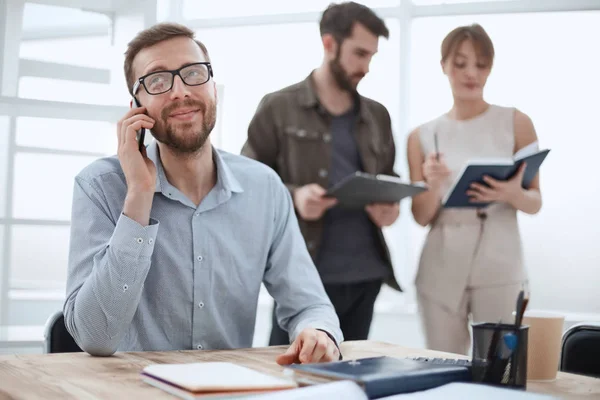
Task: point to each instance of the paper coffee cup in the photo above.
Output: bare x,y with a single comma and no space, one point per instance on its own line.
544,343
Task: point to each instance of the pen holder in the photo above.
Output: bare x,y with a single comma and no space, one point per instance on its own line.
500,354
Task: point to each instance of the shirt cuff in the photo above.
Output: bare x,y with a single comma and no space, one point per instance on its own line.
131,238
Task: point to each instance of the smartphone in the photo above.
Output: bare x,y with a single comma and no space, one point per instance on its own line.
141,133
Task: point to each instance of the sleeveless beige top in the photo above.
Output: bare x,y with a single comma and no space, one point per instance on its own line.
461,249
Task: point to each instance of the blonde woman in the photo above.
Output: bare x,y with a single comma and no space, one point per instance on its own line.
471,265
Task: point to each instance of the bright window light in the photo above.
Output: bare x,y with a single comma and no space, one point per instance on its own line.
194,9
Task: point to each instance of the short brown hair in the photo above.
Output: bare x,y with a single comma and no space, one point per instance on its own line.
475,32
151,36
339,19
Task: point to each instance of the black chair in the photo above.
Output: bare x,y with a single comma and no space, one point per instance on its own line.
56,337
581,349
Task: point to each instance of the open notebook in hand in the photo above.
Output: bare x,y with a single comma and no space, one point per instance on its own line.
212,380
497,168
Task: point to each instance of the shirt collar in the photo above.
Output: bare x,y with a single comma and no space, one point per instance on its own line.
225,178
308,98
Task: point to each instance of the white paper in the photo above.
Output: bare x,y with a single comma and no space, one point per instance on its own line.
346,390
462,391
527,151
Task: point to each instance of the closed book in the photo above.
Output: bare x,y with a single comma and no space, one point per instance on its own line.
212,380
500,169
386,376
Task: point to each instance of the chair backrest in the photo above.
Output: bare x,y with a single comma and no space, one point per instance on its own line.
581,350
56,337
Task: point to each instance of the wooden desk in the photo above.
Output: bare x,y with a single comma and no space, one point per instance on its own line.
78,375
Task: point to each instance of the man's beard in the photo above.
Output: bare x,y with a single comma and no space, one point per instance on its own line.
340,75
182,137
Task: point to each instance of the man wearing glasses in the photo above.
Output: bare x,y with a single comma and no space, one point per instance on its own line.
170,243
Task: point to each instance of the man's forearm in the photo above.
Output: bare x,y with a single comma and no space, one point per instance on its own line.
138,205
99,311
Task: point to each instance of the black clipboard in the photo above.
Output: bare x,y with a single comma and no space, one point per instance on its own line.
359,189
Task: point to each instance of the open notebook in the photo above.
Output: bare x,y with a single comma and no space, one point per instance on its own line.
209,380
497,168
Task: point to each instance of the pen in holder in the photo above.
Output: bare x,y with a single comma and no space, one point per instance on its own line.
500,354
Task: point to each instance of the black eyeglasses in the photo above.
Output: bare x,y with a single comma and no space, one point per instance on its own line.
162,81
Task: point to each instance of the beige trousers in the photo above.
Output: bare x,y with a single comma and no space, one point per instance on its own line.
449,331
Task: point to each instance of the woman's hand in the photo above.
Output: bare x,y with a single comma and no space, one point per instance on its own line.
435,171
509,191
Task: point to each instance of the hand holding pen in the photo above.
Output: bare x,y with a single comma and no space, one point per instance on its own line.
435,169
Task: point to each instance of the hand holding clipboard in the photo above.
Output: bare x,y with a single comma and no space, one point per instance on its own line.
360,189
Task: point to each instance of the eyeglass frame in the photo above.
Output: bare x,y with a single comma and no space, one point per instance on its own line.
174,72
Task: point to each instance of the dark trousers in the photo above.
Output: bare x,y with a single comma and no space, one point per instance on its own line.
353,304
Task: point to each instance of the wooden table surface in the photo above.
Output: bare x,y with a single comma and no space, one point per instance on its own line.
81,376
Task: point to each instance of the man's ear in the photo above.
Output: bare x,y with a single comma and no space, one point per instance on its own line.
329,45
443,65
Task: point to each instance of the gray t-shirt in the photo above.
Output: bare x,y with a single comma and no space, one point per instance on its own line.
350,251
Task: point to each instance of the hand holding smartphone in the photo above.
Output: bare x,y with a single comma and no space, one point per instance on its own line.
139,170
141,133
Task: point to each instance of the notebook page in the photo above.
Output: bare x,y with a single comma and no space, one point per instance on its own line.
527,151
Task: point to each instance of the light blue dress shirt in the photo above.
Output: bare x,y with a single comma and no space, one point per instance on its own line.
190,279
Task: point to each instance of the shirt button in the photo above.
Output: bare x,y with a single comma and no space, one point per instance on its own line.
150,241
327,137
200,258
197,214
201,305
199,347
125,288
301,132
323,173
311,245
140,240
